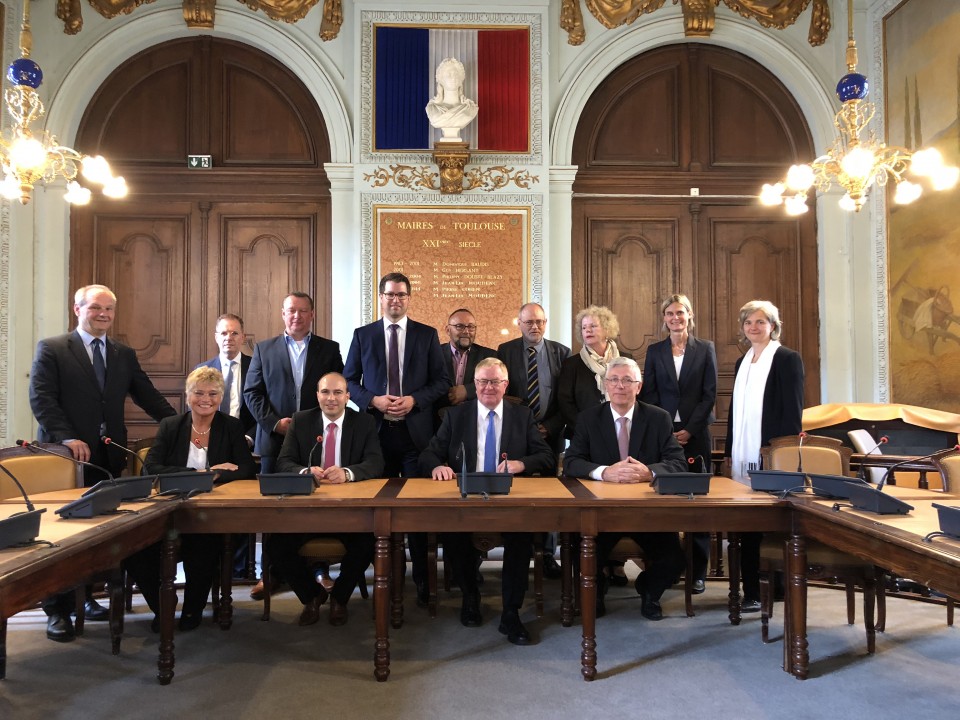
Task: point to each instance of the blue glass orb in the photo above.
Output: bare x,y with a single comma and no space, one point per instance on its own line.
853,86
24,71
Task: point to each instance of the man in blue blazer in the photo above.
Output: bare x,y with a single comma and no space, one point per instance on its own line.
230,338
79,383
396,372
283,376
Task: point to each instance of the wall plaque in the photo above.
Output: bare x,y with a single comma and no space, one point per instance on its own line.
475,258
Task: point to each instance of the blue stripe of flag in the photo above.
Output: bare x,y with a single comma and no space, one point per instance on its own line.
403,88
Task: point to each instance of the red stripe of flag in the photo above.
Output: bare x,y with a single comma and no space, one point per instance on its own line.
503,66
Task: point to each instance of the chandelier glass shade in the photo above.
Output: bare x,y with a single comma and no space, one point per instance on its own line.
28,156
857,160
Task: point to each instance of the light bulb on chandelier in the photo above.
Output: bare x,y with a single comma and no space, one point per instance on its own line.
28,157
857,161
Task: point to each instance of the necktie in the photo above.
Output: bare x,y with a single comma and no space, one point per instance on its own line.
490,445
330,446
99,367
533,382
227,389
623,437
393,362
460,358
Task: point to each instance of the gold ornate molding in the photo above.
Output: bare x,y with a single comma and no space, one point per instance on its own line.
200,13
426,177
699,18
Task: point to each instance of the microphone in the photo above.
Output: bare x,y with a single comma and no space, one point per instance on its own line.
893,467
21,527
703,463
862,473
35,447
800,453
503,459
312,450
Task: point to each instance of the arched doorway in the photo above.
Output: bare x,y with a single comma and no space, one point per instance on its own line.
190,244
672,147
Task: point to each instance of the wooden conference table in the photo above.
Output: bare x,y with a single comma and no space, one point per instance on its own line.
388,508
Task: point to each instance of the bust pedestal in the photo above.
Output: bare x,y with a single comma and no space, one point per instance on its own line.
451,157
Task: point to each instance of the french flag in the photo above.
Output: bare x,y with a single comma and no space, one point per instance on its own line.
497,64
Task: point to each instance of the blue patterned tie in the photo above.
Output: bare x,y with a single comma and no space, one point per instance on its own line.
490,445
99,367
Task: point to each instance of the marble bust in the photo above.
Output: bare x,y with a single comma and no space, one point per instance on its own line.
450,110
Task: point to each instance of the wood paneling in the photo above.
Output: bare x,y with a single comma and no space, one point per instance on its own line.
188,245
732,126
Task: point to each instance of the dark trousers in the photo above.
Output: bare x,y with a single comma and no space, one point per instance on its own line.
750,564
517,551
698,449
199,553
663,557
401,459
283,551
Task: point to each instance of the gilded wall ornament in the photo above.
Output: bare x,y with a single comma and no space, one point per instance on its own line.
426,177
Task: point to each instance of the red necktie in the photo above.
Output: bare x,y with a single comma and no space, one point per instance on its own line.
330,446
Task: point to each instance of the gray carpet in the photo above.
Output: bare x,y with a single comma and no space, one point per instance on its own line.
678,668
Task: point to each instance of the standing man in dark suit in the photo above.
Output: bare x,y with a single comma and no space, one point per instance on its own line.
349,452
625,441
462,355
484,431
282,380
534,366
78,385
396,372
234,365
284,373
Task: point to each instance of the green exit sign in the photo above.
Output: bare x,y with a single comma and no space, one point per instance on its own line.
199,162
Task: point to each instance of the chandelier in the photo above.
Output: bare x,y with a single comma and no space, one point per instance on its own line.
27,156
856,160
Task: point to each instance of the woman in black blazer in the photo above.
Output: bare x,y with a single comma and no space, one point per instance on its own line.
202,439
680,376
767,402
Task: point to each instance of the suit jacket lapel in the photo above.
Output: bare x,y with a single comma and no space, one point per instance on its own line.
75,343
346,439
690,359
470,437
608,432
637,430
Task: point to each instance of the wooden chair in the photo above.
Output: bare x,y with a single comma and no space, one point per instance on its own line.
828,456
948,464
627,549
325,549
865,444
40,473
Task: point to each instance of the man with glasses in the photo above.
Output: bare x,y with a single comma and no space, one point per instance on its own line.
396,372
234,365
490,435
534,366
462,355
627,441
282,379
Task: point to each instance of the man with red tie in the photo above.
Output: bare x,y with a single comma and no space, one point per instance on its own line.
336,445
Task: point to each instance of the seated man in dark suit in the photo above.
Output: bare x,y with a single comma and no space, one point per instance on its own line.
487,429
626,441
349,452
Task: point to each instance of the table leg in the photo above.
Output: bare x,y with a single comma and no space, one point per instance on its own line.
399,559
115,589
168,606
381,595
733,560
3,649
566,581
797,661
226,583
588,606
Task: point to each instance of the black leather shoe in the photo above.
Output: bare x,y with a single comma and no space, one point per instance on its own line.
651,609
470,611
749,606
190,621
551,568
95,612
423,595
699,587
511,626
155,624
60,628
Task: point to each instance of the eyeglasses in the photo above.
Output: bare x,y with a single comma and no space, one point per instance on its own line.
460,327
206,393
621,382
533,323
483,382
395,296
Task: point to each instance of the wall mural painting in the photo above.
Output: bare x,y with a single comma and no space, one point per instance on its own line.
922,74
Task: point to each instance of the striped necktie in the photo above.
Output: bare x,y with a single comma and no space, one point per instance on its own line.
533,382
